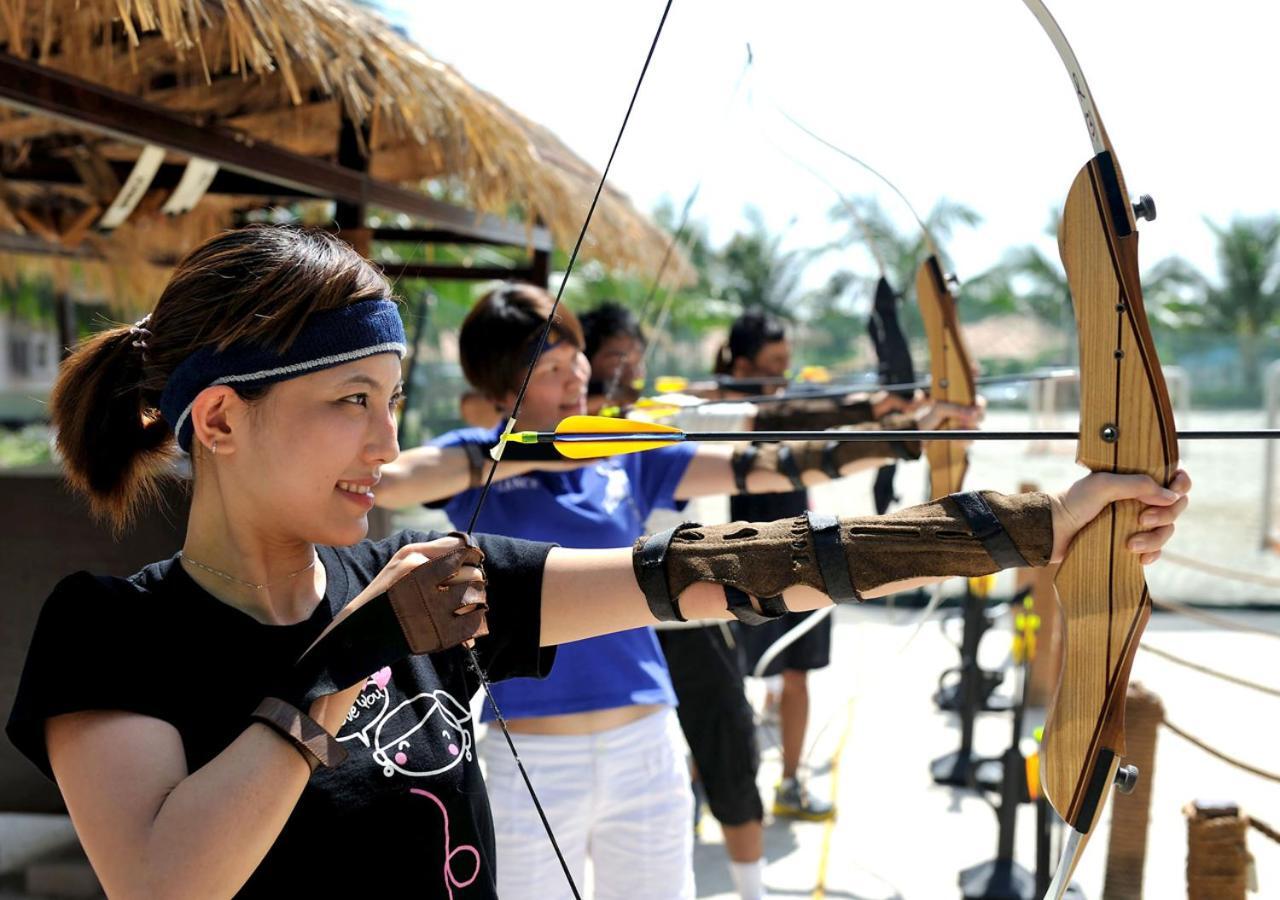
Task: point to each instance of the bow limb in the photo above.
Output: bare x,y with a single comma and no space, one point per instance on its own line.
950,370
1126,425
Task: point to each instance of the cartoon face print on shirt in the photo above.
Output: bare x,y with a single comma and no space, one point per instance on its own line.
423,736
369,709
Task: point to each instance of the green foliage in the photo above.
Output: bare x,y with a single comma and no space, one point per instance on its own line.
25,447
1243,304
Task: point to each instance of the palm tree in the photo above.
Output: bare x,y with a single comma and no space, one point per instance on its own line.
752,271
902,252
1246,301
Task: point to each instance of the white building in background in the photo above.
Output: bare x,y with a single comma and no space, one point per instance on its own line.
29,357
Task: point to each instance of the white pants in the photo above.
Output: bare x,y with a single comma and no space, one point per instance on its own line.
620,796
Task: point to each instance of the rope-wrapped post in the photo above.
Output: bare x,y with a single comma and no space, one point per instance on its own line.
1131,813
1218,862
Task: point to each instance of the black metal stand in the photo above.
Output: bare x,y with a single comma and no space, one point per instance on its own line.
1003,878
949,695
956,769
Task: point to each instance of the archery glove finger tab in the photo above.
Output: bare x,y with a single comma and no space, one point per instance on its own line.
839,557
426,611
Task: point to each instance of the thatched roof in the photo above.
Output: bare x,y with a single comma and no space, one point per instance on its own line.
285,72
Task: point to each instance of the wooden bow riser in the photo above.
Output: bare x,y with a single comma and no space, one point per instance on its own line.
1126,426
951,374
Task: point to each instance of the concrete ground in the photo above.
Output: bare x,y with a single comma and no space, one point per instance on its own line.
874,731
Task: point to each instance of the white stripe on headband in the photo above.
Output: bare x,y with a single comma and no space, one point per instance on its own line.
292,369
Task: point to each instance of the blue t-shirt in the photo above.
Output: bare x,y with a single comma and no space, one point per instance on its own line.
596,507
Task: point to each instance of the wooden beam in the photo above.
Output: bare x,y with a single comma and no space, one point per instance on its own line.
51,170
397,271
84,104
538,238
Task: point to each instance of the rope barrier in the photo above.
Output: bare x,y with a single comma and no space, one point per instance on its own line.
1189,562
1265,829
1234,679
1211,618
1230,760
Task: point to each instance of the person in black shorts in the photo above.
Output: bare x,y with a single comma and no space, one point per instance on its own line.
758,348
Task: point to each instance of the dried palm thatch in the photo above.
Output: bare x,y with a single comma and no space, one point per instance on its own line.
286,72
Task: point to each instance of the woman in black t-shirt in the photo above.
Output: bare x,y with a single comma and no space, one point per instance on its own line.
197,715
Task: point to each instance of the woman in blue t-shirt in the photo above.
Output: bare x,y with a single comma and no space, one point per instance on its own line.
599,730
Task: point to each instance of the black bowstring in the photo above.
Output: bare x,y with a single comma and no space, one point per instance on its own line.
515,410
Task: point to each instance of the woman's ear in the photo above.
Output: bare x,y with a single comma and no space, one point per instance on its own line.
214,414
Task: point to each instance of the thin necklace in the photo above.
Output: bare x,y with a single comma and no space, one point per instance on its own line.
257,587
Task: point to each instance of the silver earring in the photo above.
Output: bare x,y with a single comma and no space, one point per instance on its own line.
214,448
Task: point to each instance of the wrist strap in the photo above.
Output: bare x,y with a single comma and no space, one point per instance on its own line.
739,604
831,559
787,466
830,466
744,459
476,458
305,734
987,529
649,562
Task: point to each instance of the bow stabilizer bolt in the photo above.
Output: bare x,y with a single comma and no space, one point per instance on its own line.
1145,208
1110,434
1126,779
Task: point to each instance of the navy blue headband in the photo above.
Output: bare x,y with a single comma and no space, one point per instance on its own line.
328,339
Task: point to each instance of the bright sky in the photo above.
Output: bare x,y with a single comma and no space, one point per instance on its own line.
966,100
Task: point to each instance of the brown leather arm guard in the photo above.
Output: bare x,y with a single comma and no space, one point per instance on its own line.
817,414
965,534
420,613
794,458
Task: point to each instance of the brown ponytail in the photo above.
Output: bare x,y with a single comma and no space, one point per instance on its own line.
257,284
113,450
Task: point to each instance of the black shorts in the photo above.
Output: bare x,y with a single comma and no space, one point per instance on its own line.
716,720
812,651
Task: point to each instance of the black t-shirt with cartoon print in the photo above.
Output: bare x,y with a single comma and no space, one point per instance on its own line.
406,811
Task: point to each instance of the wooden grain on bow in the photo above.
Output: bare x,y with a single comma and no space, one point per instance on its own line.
1126,425
950,370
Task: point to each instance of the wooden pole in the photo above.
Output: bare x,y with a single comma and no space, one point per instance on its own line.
1218,862
1131,813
